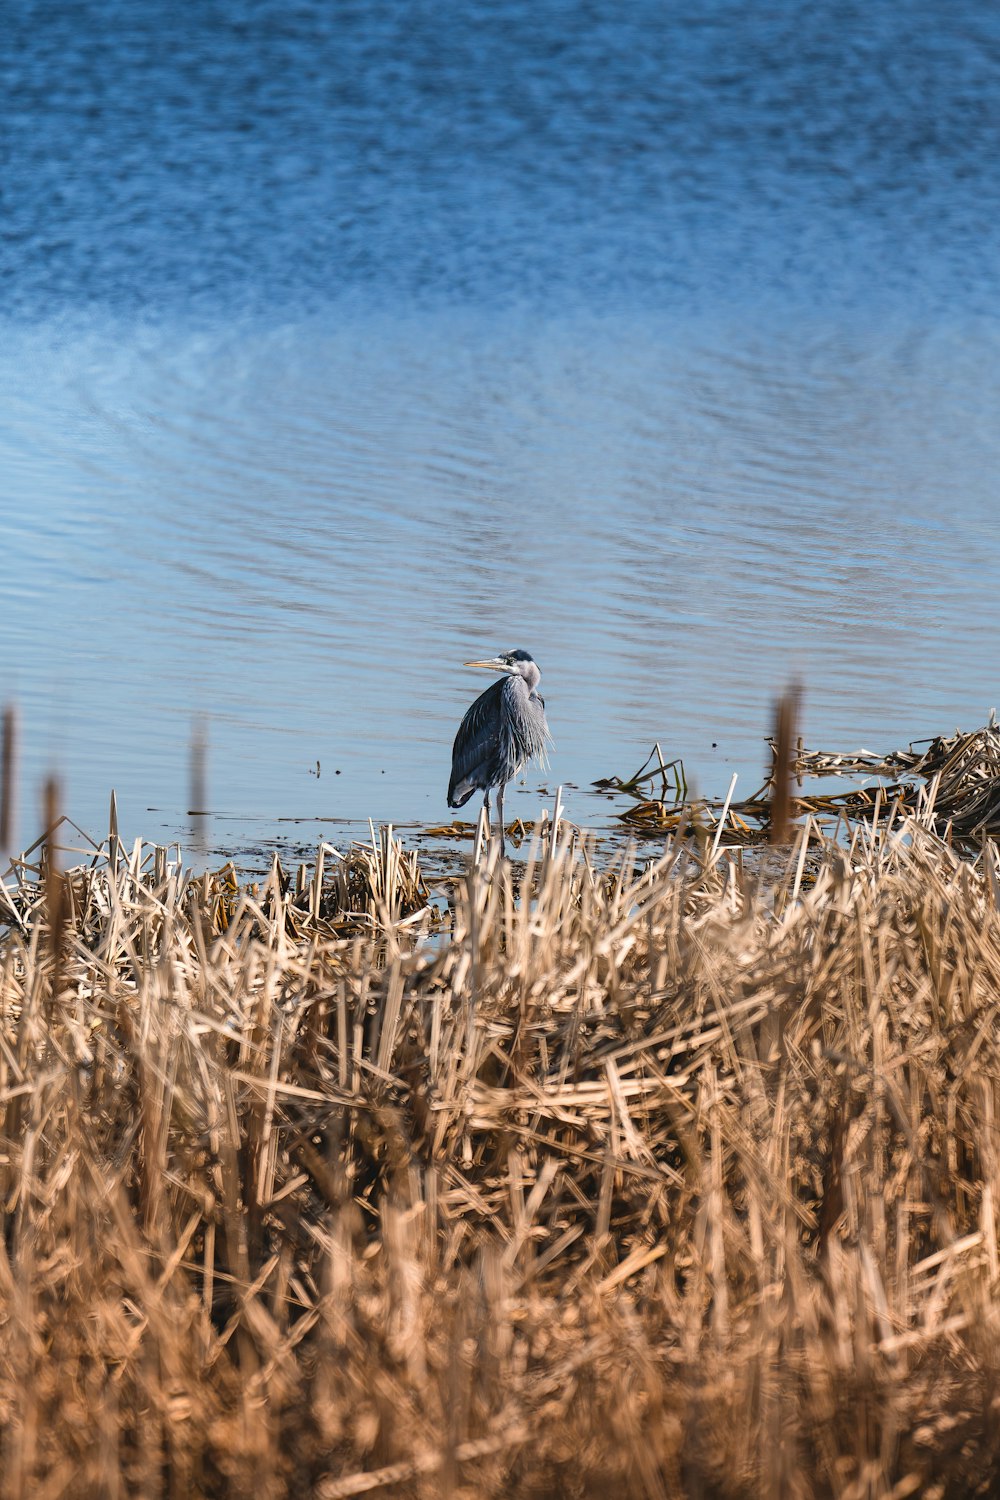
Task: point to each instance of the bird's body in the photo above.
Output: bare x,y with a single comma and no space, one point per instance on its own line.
503,730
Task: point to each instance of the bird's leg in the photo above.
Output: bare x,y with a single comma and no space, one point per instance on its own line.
500,789
486,804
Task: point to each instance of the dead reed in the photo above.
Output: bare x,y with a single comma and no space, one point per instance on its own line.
959,778
952,781
786,717
646,1180
8,775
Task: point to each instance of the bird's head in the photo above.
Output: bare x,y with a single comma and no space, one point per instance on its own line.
516,663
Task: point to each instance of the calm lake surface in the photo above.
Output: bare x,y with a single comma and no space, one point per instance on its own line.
341,344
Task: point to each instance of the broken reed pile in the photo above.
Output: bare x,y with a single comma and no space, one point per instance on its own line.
950,783
642,1181
960,775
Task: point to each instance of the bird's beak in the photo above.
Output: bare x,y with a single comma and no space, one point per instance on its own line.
496,665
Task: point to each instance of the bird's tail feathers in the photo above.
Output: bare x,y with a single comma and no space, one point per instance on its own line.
460,792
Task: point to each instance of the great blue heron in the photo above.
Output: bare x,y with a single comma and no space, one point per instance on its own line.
502,731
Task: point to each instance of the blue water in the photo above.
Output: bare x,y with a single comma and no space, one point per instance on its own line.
342,343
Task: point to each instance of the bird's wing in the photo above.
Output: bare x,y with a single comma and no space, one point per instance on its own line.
477,743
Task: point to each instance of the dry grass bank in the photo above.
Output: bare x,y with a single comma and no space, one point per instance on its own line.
635,1182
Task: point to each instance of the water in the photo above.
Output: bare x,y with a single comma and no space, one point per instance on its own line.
341,344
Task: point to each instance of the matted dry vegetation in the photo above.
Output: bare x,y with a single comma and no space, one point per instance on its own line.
651,1180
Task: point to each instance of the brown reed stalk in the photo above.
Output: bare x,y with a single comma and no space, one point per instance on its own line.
783,769
55,892
198,762
8,776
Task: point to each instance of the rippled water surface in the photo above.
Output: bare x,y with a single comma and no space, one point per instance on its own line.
339,344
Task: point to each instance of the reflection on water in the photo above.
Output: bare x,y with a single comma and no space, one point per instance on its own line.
340,346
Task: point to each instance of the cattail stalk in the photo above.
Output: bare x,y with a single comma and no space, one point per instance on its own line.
783,769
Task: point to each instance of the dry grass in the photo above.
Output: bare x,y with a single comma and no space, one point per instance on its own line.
959,778
641,1181
950,782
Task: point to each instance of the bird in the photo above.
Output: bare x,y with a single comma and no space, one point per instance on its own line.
501,732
